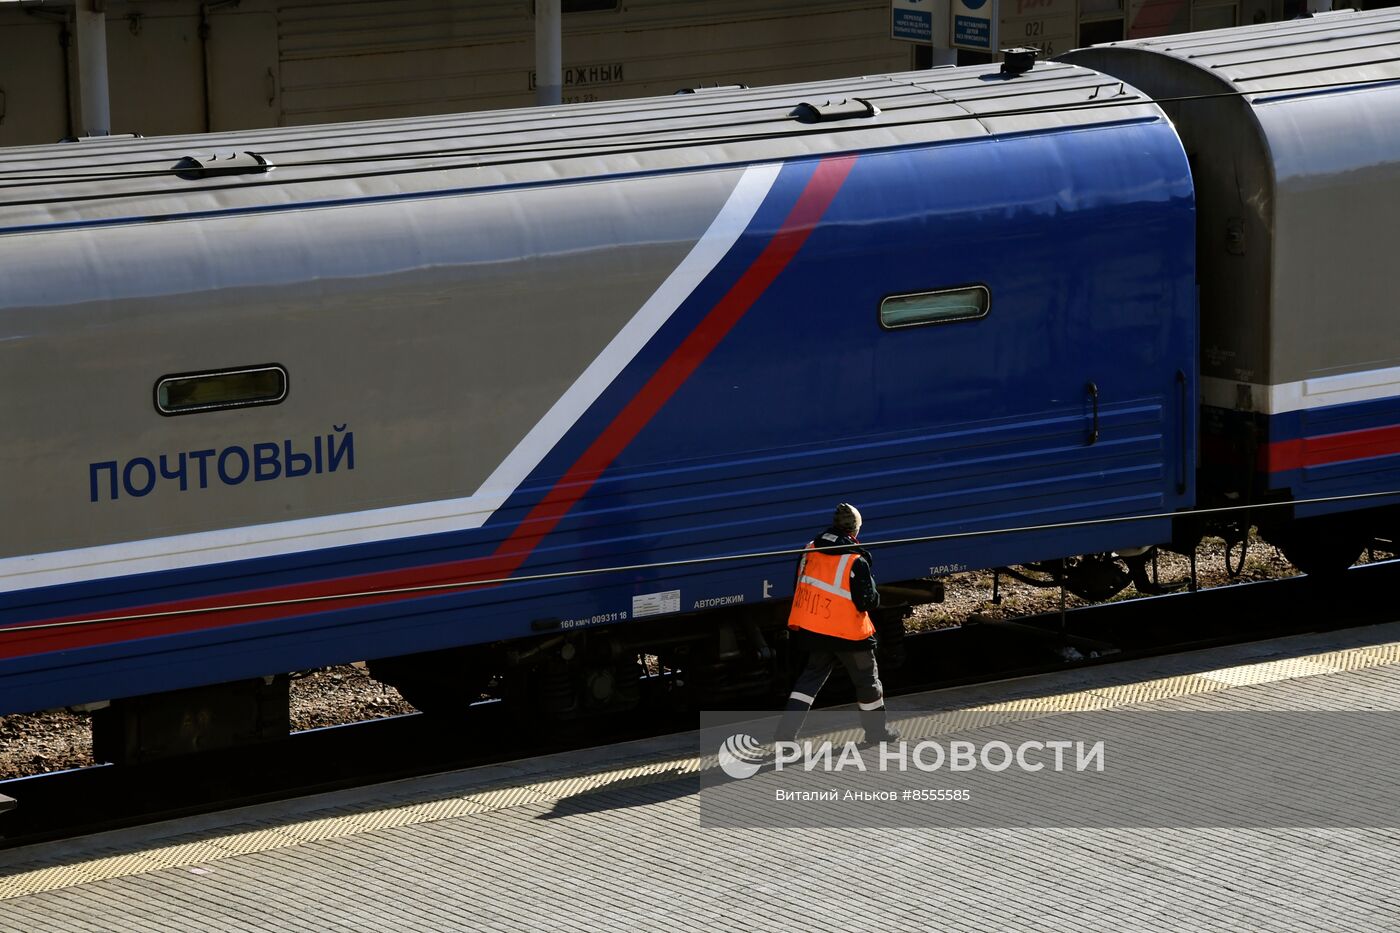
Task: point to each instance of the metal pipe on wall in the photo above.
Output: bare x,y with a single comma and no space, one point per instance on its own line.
204,66
65,39
91,28
943,53
549,52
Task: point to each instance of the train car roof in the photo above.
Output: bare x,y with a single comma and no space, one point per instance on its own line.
116,180
1323,53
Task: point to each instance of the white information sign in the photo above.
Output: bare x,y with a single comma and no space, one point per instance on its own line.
655,604
973,24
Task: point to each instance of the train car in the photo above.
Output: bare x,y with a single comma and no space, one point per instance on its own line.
1293,133
515,397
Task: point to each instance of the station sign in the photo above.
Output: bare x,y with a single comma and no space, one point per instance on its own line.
973,24
912,20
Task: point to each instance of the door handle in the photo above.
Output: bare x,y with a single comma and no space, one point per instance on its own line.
1183,420
1093,390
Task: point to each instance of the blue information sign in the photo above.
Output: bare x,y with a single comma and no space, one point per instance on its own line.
912,20
974,24
972,32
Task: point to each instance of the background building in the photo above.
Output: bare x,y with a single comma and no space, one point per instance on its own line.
181,66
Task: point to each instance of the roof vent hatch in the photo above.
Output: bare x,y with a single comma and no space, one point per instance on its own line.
210,165
850,108
711,88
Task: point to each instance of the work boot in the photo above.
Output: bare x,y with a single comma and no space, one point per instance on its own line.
789,725
888,737
877,730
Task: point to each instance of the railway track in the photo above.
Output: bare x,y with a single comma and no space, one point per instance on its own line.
78,802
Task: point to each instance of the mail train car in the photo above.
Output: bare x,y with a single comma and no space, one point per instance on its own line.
502,402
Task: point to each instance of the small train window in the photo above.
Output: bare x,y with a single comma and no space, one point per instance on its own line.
187,393
938,307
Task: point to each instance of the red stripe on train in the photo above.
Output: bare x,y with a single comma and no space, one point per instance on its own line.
811,205
1331,448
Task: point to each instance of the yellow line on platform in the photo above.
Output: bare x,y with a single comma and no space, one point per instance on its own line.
190,855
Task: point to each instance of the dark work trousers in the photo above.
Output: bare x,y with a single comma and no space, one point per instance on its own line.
859,663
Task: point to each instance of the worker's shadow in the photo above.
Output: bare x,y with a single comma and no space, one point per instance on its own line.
639,790
626,792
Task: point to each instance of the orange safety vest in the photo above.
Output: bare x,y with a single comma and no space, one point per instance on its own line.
822,602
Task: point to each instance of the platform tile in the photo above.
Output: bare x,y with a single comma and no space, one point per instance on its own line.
627,853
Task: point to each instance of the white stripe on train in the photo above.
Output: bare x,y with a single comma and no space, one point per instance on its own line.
1318,392
423,518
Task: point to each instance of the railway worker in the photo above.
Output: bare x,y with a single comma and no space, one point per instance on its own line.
830,618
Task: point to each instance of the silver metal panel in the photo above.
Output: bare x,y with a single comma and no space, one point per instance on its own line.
1296,156
452,326
1337,224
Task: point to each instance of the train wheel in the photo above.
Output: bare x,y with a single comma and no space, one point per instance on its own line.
1092,577
1321,547
1146,580
889,636
443,684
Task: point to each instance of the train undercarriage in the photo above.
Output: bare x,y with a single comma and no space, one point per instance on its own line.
737,657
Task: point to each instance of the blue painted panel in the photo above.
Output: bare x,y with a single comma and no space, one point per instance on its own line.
1085,240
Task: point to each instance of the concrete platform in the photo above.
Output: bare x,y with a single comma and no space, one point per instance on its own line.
609,839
